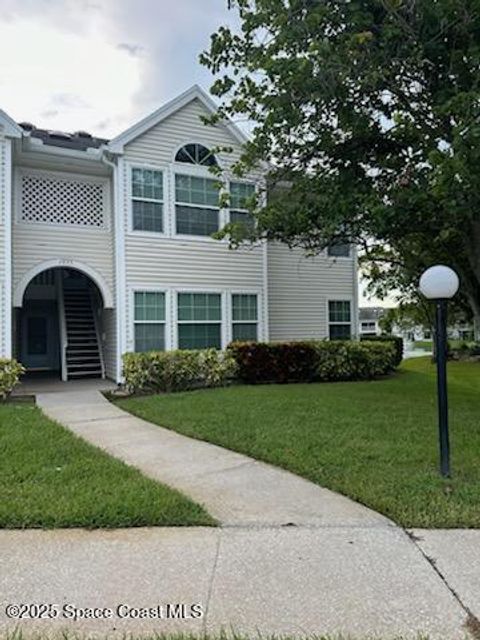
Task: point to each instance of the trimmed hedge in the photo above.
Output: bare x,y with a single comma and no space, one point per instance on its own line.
177,370
313,361
396,340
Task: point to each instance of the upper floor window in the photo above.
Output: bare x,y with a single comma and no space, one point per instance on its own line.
240,194
196,154
147,200
196,205
339,251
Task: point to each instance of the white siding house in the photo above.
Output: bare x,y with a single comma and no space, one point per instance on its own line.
106,247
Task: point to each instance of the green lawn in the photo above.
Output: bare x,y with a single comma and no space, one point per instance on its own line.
426,345
373,441
51,478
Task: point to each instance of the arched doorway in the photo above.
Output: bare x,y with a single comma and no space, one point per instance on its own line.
58,327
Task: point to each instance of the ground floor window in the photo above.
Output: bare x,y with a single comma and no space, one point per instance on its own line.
339,319
244,316
149,321
199,320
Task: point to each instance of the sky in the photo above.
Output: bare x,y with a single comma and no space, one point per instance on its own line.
101,65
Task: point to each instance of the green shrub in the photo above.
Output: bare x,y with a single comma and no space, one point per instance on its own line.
464,350
177,370
396,340
352,360
309,361
10,372
279,362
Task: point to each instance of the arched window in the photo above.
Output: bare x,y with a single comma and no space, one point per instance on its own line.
196,154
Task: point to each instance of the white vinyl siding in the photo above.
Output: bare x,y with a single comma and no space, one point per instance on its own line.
299,288
35,243
183,262
109,341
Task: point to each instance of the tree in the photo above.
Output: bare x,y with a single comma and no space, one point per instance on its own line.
368,113
406,317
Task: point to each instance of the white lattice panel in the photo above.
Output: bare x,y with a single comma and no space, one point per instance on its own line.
53,200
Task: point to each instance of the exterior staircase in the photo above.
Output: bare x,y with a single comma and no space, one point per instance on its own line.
83,357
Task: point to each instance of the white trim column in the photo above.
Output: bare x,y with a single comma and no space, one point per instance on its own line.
7,220
120,269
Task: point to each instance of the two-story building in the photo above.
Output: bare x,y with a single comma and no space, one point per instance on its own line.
106,247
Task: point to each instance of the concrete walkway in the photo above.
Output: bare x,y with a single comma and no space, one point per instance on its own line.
235,489
291,558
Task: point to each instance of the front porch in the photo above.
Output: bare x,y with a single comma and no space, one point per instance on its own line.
58,328
32,385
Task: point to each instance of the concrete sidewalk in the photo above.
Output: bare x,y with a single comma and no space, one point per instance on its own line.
358,581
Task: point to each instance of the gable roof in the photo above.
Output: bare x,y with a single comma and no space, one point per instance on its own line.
10,128
194,93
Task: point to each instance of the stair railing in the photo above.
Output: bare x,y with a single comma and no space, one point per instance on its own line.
97,332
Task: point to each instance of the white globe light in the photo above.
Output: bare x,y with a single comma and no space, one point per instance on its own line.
439,282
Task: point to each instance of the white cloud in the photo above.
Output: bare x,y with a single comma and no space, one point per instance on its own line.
61,80
100,65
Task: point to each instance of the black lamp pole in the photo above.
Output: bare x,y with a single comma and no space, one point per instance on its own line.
441,354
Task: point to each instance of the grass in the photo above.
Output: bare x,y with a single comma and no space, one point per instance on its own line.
51,478
373,441
426,345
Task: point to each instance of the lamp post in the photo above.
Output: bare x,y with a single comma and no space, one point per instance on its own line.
439,284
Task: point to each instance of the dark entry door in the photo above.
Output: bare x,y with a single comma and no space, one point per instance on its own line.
40,345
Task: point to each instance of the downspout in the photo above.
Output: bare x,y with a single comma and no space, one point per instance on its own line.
356,318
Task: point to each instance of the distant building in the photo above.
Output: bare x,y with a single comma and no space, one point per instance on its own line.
369,320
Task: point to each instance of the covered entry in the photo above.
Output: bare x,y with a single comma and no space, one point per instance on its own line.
57,327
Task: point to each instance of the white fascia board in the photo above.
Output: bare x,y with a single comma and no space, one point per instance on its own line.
117,144
10,128
36,145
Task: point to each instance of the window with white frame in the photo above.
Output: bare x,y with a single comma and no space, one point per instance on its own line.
147,200
240,194
194,153
244,317
196,205
199,320
339,251
149,320
339,319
